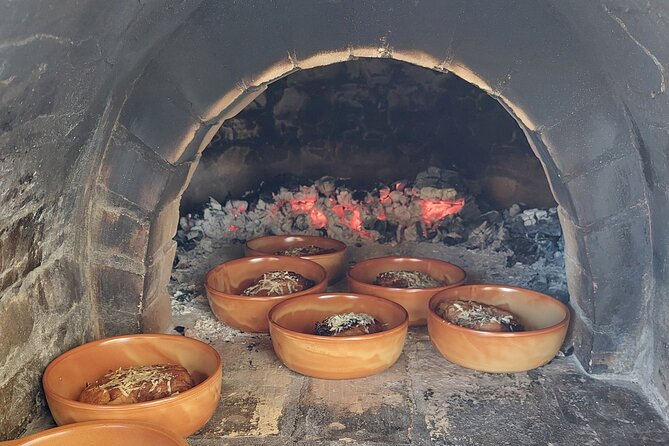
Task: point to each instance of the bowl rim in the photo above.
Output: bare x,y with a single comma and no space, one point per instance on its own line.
403,326
198,388
410,290
340,246
224,295
94,424
518,334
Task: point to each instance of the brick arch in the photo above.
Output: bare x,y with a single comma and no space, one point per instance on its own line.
226,54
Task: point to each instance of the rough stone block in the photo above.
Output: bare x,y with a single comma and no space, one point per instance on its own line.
157,316
178,182
163,227
129,173
158,115
574,240
609,191
20,248
120,295
18,320
581,291
589,138
623,247
580,335
119,233
21,399
158,273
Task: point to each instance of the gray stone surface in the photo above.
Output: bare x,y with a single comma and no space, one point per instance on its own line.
422,399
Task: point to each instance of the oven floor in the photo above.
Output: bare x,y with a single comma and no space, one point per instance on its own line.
423,399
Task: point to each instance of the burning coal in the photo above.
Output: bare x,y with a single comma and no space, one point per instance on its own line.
325,208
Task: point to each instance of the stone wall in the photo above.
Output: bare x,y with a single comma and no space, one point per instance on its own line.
64,70
587,80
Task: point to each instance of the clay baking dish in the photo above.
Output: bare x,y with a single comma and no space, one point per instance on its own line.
361,278
183,414
108,433
225,282
292,325
334,262
545,320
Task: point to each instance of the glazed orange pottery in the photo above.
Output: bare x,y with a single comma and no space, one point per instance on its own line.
545,320
362,275
102,433
292,325
334,262
225,283
184,413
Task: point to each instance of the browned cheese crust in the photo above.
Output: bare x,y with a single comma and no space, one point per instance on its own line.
137,384
406,279
278,283
478,316
301,251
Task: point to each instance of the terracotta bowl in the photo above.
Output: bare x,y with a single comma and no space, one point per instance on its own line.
545,319
292,330
361,277
334,262
185,413
225,282
108,433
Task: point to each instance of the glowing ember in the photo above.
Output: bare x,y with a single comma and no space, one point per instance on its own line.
308,206
349,215
233,228
433,210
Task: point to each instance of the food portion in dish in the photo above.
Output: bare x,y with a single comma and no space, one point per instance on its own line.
278,283
407,279
348,324
479,316
137,384
301,251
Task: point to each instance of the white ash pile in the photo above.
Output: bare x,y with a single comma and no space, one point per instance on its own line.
438,207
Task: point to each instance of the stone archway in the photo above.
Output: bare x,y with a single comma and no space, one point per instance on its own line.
224,55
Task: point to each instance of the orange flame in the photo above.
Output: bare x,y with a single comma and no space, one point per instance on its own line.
433,210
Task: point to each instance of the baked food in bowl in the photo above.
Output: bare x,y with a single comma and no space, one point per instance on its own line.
108,433
543,318
294,324
184,413
266,280
327,252
408,281
136,384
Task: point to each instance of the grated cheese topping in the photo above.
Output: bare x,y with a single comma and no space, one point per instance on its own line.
413,279
341,322
276,283
473,314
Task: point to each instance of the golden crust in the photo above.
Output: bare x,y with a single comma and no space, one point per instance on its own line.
277,283
137,384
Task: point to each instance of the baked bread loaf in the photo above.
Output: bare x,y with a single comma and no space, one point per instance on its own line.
406,279
301,251
478,316
278,283
348,324
137,384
